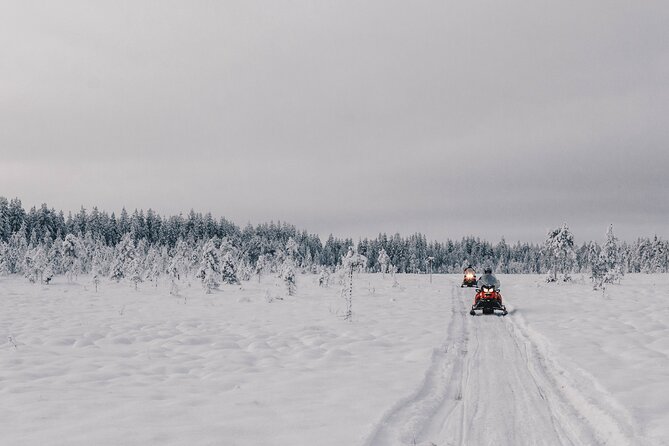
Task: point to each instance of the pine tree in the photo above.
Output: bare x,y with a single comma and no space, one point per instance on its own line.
55,257
4,269
383,260
559,249
288,267
610,258
28,267
644,255
125,254
40,263
288,276
134,271
97,268
209,272
263,265
180,261
292,249
155,264
597,270
658,263
228,270
324,277
71,261
16,251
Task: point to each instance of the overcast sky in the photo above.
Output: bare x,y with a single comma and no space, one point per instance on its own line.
353,117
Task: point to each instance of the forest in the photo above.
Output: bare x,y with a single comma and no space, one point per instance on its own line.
42,242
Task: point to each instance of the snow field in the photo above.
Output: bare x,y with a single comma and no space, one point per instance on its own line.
567,366
127,367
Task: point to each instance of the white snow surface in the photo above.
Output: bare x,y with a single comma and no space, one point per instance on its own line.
567,366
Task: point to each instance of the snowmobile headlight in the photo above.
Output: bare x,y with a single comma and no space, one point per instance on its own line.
470,276
488,290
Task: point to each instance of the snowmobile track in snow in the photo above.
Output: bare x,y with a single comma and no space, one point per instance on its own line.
491,382
407,420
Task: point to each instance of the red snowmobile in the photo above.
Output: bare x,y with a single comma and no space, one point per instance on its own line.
470,278
488,299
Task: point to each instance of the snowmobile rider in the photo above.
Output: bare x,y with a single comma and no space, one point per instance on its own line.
487,279
487,289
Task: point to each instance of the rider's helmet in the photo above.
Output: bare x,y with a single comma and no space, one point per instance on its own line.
488,270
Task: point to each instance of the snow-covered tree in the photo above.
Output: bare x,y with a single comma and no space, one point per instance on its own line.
71,256
559,248
55,257
414,263
35,264
351,262
134,271
156,259
263,265
308,259
324,278
3,258
288,276
611,258
179,261
660,256
288,267
292,248
228,270
209,271
384,261
27,267
16,251
96,270
124,256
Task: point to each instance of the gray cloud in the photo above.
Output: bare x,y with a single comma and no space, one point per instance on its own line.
450,118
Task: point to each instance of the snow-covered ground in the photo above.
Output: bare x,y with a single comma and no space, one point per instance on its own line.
567,366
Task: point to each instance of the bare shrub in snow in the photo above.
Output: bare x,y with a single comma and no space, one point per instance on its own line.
324,278
351,262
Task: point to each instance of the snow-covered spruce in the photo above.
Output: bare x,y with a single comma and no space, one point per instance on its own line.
228,270
71,256
124,255
384,261
288,276
209,271
559,248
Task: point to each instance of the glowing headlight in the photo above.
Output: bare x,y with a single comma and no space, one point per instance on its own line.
488,290
470,276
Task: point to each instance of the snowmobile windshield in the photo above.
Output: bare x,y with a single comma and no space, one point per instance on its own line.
488,281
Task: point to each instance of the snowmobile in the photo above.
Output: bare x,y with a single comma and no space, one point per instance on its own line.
488,299
470,278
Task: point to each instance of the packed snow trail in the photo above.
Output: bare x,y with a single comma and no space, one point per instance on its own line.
490,385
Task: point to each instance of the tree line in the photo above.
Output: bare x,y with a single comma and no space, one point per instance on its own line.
148,243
